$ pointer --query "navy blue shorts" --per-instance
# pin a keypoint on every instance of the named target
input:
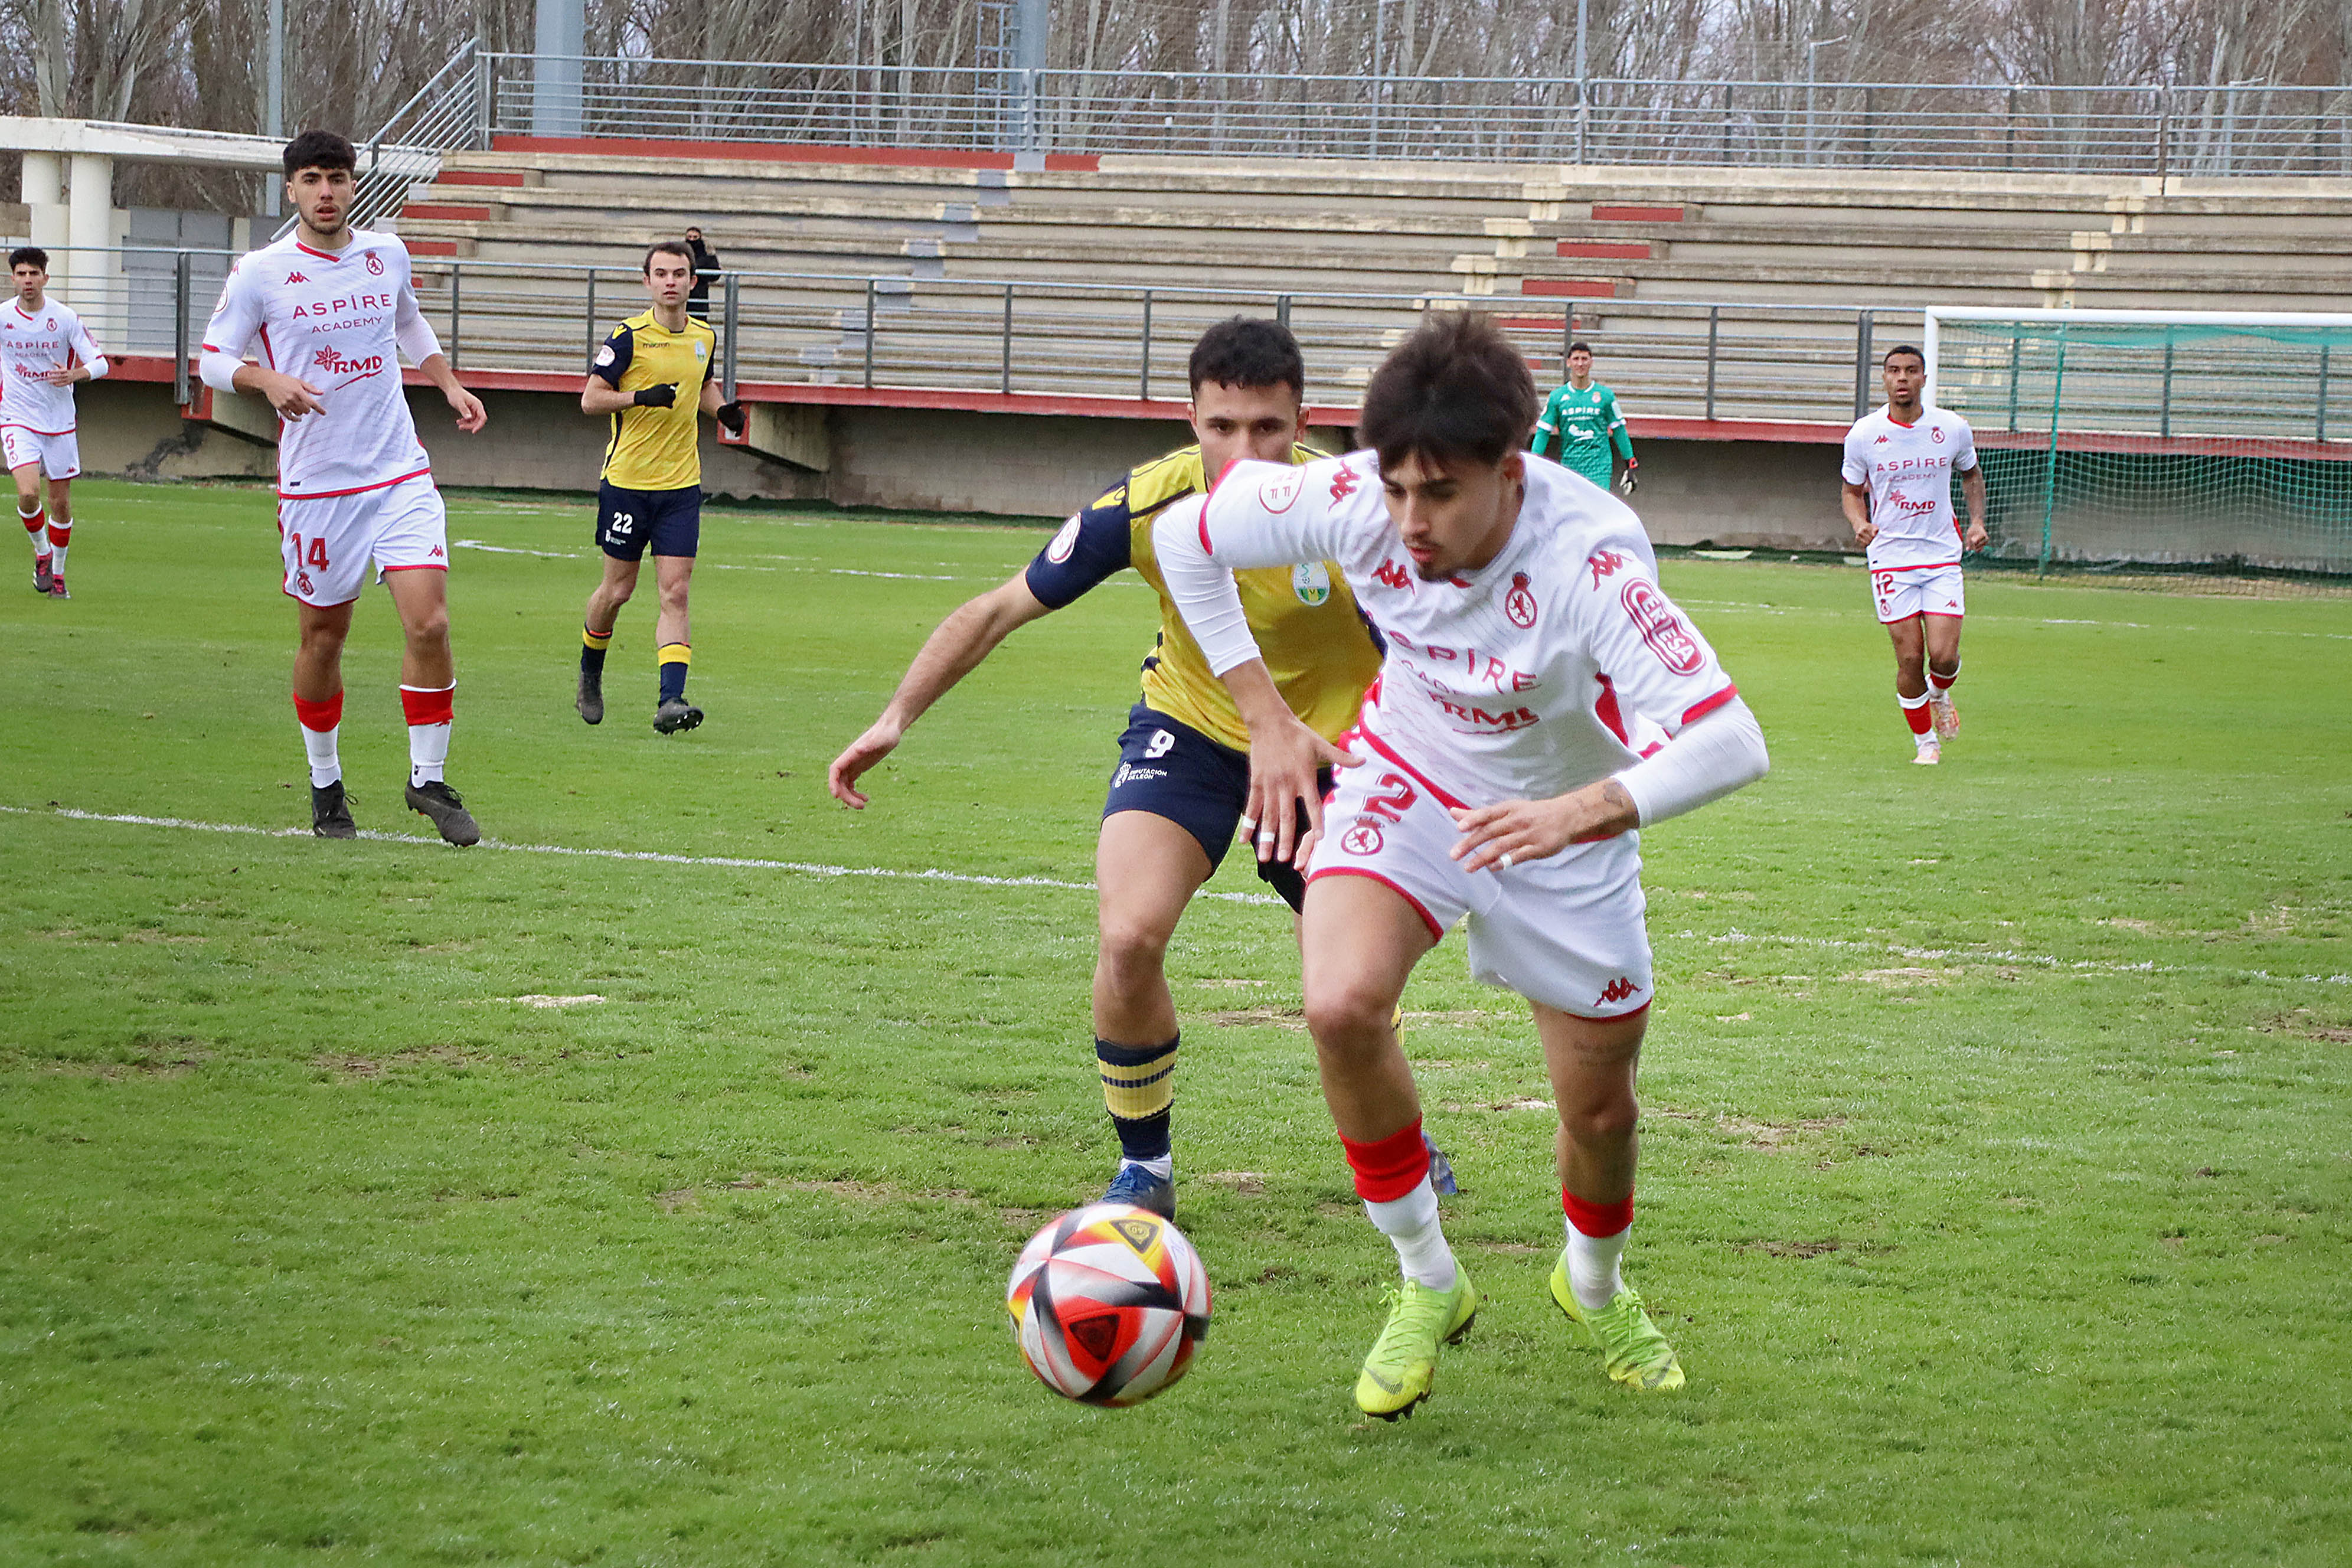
(1171, 770)
(629, 520)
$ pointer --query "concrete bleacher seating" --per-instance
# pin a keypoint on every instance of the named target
(1623, 248)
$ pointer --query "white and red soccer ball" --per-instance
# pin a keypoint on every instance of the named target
(1109, 1303)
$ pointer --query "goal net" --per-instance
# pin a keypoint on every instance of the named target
(2118, 439)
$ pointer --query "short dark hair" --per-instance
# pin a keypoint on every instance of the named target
(1249, 351)
(318, 150)
(1578, 347)
(32, 253)
(1456, 390)
(677, 247)
(1911, 349)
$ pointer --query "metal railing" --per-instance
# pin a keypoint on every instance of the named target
(2159, 131)
(1698, 360)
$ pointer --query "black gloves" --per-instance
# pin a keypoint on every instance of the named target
(656, 396)
(732, 415)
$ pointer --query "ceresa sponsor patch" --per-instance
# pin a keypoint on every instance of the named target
(1312, 580)
(1064, 543)
(1660, 627)
(1281, 492)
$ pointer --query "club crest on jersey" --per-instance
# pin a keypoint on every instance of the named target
(1312, 580)
(1363, 838)
(1279, 494)
(375, 264)
(1661, 627)
(1064, 543)
(1344, 482)
(1520, 605)
(1935, 432)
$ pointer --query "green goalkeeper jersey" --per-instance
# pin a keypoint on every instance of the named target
(1579, 428)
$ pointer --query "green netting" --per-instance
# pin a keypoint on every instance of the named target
(2159, 443)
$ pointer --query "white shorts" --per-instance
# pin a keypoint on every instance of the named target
(59, 455)
(328, 543)
(1566, 931)
(1903, 591)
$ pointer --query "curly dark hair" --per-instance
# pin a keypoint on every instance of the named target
(1456, 391)
(1249, 351)
(318, 150)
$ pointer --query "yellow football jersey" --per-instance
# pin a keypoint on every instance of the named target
(1318, 647)
(656, 448)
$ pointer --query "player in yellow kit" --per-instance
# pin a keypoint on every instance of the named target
(1183, 773)
(652, 377)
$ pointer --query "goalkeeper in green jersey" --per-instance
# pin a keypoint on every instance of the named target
(1580, 425)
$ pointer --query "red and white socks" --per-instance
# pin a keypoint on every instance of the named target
(429, 710)
(1596, 1247)
(1393, 1178)
(322, 722)
(1939, 686)
(37, 527)
(60, 535)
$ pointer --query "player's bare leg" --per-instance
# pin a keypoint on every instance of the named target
(428, 683)
(596, 624)
(1146, 868)
(319, 705)
(1592, 1063)
(1910, 638)
(1943, 645)
(1359, 941)
(37, 523)
(673, 577)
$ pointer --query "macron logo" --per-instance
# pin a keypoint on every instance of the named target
(298, 278)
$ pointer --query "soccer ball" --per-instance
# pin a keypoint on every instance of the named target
(1108, 1303)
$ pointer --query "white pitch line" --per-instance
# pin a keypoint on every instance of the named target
(813, 868)
(804, 868)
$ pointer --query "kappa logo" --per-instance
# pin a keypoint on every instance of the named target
(1344, 482)
(1880, 442)
(434, 553)
(296, 278)
(1520, 605)
(375, 264)
(1392, 574)
(1363, 838)
(1604, 563)
(1618, 990)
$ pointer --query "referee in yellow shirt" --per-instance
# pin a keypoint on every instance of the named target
(651, 378)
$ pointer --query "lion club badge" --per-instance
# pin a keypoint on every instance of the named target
(375, 264)
(302, 581)
(1312, 580)
(1520, 605)
(1935, 432)
(1363, 838)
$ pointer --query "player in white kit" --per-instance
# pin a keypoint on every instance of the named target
(44, 350)
(1898, 467)
(332, 310)
(1495, 787)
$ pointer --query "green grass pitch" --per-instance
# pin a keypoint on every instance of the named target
(1997, 1174)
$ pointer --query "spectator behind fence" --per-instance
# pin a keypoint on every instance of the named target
(706, 271)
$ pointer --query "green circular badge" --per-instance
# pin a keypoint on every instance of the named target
(1312, 580)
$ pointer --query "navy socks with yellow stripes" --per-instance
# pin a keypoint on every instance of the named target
(593, 644)
(675, 659)
(1139, 1090)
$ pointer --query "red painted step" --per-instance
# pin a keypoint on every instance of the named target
(433, 213)
(1621, 249)
(1580, 288)
(432, 248)
(513, 177)
(1635, 215)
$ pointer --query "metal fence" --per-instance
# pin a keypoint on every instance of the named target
(1741, 360)
(2235, 130)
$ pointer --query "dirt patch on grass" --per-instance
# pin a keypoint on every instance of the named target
(2304, 1023)
(1248, 1184)
(1458, 1015)
(1514, 1247)
(1793, 1249)
(349, 1067)
(1912, 976)
(1771, 1137)
(167, 1059)
(1280, 1018)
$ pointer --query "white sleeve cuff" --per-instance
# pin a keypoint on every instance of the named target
(219, 370)
(1716, 755)
(416, 340)
(97, 366)
(1202, 588)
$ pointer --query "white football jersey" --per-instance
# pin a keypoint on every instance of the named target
(338, 321)
(33, 341)
(1520, 681)
(1909, 469)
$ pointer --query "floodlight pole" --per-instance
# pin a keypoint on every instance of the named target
(273, 101)
(559, 38)
(1810, 48)
(1583, 87)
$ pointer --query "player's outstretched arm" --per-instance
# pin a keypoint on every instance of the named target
(1285, 756)
(953, 651)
